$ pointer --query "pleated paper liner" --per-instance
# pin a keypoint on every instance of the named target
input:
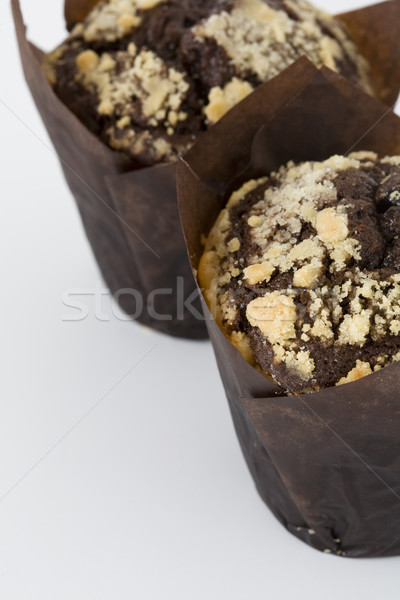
(76, 10)
(328, 463)
(375, 30)
(130, 213)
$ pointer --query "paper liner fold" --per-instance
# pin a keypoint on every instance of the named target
(76, 10)
(328, 463)
(130, 216)
(375, 31)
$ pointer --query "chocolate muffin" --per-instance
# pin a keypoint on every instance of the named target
(302, 270)
(148, 76)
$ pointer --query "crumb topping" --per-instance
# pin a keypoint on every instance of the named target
(132, 81)
(113, 20)
(221, 100)
(175, 68)
(266, 40)
(305, 265)
(275, 315)
(360, 370)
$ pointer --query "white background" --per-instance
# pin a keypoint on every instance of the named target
(119, 481)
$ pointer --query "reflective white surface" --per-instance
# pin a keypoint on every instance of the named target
(120, 476)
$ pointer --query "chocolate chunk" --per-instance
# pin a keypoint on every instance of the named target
(388, 193)
(162, 28)
(392, 258)
(207, 62)
(363, 226)
(357, 184)
(390, 222)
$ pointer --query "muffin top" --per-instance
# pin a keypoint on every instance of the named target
(302, 270)
(147, 76)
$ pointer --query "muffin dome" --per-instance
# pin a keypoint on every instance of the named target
(148, 76)
(302, 270)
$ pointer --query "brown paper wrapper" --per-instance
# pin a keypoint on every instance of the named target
(375, 30)
(328, 463)
(76, 10)
(130, 215)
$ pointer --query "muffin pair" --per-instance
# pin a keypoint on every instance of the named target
(270, 104)
(148, 77)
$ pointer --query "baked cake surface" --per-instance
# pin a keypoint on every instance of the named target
(147, 76)
(302, 270)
